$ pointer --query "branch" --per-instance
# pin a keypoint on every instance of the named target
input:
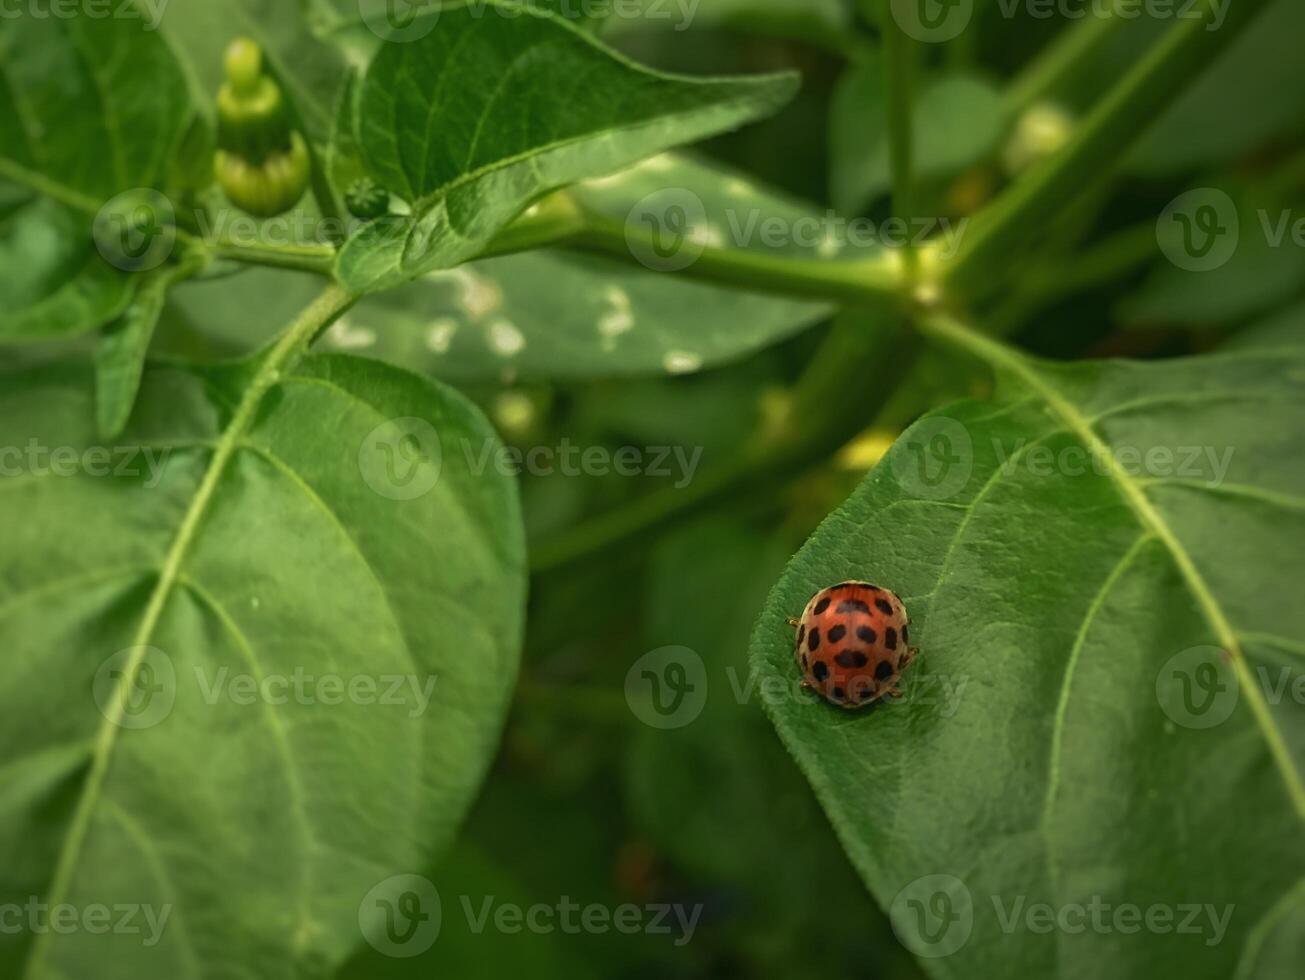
(1120, 118)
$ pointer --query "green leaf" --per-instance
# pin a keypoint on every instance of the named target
(477, 119)
(116, 121)
(958, 120)
(1264, 268)
(53, 280)
(121, 93)
(120, 356)
(1253, 94)
(273, 541)
(554, 315)
(720, 749)
(824, 22)
(1060, 594)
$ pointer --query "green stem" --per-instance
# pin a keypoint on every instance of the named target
(317, 259)
(1061, 59)
(865, 282)
(899, 78)
(1101, 141)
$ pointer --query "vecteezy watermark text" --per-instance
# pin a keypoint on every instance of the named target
(38, 459)
(403, 915)
(934, 915)
(120, 919)
(150, 12)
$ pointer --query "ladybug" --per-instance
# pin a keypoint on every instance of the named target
(853, 642)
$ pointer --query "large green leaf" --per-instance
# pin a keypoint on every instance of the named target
(556, 315)
(495, 107)
(1254, 265)
(314, 532)
(53, 280)
(1253, 93)
(70, 83)
(717, 747)
(1073, 571)
(120, 90)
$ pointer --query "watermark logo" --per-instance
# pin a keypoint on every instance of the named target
(935, 459)
(665, 231)
(1198, 687)
(401, 916)
(667, 688)
(136, 230)
(401, 459)
(136, 687)
(933, 916)
(933, 21)
(400, 20)
(1199, 230)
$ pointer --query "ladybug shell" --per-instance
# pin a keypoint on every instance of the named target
(853, 641)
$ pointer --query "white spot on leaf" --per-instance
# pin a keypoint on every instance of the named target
(682, 361)
(344, 335)
(439, 335)
(618, 319)
(505, 338)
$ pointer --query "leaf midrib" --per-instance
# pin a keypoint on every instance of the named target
(330, 305)
(1000, 356)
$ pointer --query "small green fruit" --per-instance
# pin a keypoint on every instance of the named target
(269, 188)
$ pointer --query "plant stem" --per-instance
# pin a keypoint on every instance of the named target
(899, 78)
(1058, 62)
(1123, 115)
(866, 282)
(317, 259)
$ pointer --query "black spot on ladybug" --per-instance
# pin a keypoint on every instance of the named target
(853, 605)
(866, 635)
(884, 670)
(836, 633)
(813, 639)
(802, 634)
(839, 694)
(884, 606)
(890, 638)
(852, 658)
(821, 606)
(867, 693)
(905, 636)
(820, 670)
(804, 661)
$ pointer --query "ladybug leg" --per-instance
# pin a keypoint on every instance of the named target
(793, 622)
(908, 656)
(894, 692)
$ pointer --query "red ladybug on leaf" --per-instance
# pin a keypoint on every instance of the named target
(853, 642)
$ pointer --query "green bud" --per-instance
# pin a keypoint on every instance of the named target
(367, 199)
